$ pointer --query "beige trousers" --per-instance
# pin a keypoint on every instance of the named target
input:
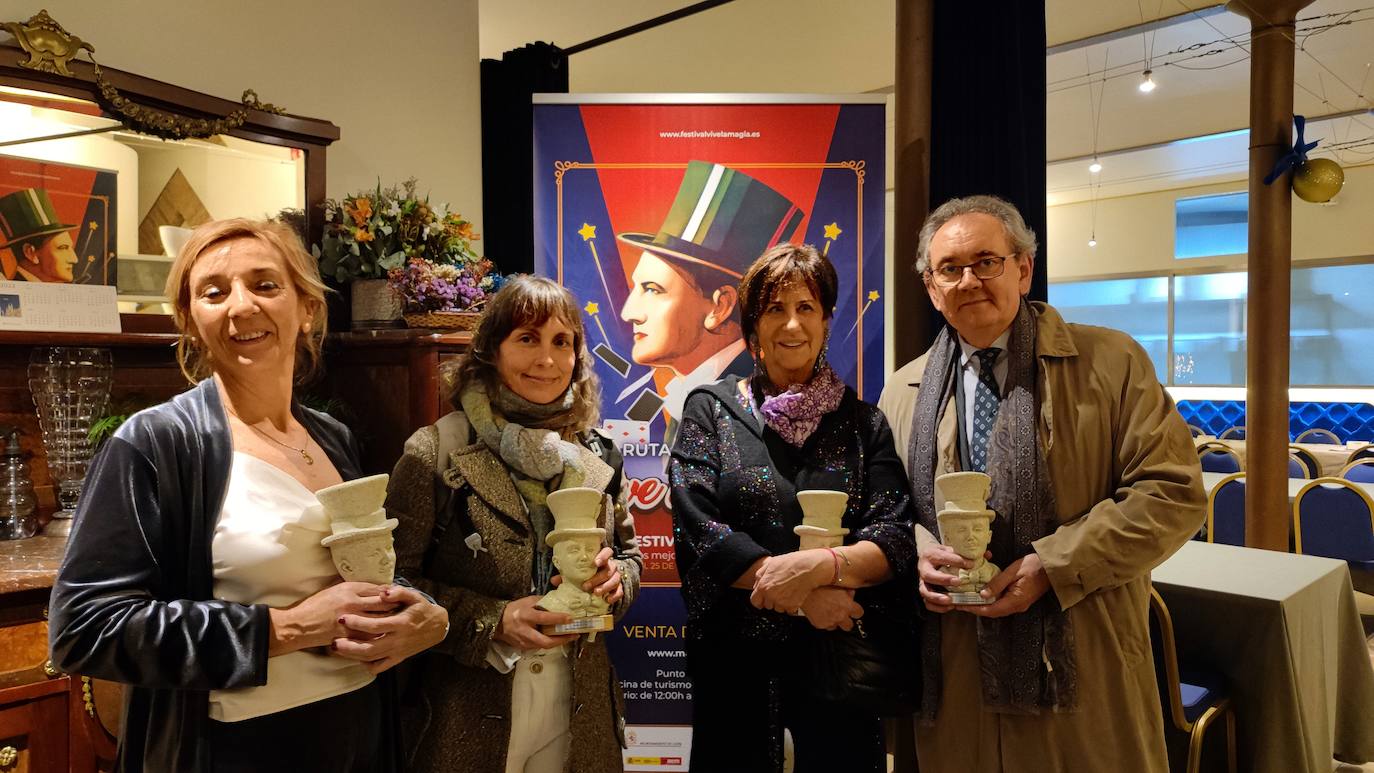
(540, 700)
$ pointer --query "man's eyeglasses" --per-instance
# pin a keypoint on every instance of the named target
(952, 274)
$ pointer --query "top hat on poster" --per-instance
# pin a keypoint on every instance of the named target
(722, 219)
(28, 213)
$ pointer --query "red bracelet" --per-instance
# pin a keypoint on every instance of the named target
(836, 557)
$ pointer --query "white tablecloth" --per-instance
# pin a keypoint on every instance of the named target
(1330, 458)
(1284, 631)
(1211, 479)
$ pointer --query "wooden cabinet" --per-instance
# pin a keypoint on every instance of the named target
(390, 384)
(48, 720)
(33, 728)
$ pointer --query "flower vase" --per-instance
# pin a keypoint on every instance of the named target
(375, 304)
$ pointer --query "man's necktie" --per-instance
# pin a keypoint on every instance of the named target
(985, 402)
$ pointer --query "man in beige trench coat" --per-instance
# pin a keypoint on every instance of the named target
(1095, 481)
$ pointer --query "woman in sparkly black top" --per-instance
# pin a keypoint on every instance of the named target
(744, 449)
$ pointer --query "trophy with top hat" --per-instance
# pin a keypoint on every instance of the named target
(576, 539)
(966, 526)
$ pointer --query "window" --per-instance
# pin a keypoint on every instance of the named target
(1139, 307)
(1331, 325)
(1209, 329)
(1211, 225)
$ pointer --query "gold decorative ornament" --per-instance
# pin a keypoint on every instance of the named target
(48, 45)
(1318, 180)
(86, 697)
(170, 126)
(8, 756)
(50, 670)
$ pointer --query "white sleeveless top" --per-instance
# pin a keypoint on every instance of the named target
(266, 550)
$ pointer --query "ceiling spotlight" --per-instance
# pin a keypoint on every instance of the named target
(1092, 242)
(1147, 85)
(1094, 167)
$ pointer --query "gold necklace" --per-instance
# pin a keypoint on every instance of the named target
(302, 451)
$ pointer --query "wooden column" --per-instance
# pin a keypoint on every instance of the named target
(1270, 258)
(912, 329)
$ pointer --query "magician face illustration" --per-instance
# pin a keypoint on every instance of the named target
(52, 260)
(675, 323)
(683, 302)
(40, 245)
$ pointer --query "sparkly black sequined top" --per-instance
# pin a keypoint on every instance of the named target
(734, 485)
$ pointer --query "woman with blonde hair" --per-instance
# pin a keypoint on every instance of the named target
(194, 573)
(471, 496)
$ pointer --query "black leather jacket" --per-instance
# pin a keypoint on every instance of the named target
(133, 601)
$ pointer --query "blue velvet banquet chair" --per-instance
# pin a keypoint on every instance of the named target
(1367, 452)
(1196, 430)
(1216, 457)
(1308, 460)
(1226, 511)
(1296, 469)
(1233, 433)
(1193, 699)
(1334, 518)
(1318, 435)
(1360, 471)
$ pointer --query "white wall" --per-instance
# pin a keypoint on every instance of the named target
(399, 79)
(1135, 234)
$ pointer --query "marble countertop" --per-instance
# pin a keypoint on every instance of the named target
(29, 564)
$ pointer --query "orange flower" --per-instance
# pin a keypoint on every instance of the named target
(361, 211)
(363, 235)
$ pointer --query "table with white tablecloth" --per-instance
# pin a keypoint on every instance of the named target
(1284, 632)
(1211, 479)
(1331, 458)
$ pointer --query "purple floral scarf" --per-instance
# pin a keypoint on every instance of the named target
(795, 413)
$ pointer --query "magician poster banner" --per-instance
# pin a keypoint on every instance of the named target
(650, 209)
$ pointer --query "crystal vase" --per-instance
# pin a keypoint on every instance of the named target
(71, 389)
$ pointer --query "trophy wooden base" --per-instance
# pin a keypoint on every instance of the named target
(592, 625)
(968, 600)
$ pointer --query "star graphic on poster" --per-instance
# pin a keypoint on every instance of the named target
(592, 307)
(832, 231)
(587, 232)
(872, 295)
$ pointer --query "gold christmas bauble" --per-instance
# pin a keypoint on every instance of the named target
(1318, 180)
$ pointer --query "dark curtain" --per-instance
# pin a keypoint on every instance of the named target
(988, 108)
(508, 149)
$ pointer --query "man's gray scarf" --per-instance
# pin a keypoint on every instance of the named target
(1027, 659)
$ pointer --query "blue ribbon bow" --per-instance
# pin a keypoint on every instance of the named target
(1295, 156)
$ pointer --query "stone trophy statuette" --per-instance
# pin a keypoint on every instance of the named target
(360, 539)
(576, 539)
(966, 526)
(821, 514)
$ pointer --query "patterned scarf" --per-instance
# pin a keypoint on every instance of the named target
(795, 413)
(525, 436)
(1027, 659)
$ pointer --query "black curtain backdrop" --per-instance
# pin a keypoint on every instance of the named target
(988, 109)
(508, 149)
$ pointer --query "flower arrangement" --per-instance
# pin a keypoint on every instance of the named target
(425, 286)
(371, 233)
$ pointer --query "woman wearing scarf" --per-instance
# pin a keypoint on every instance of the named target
(471, 495)
(745, 447)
